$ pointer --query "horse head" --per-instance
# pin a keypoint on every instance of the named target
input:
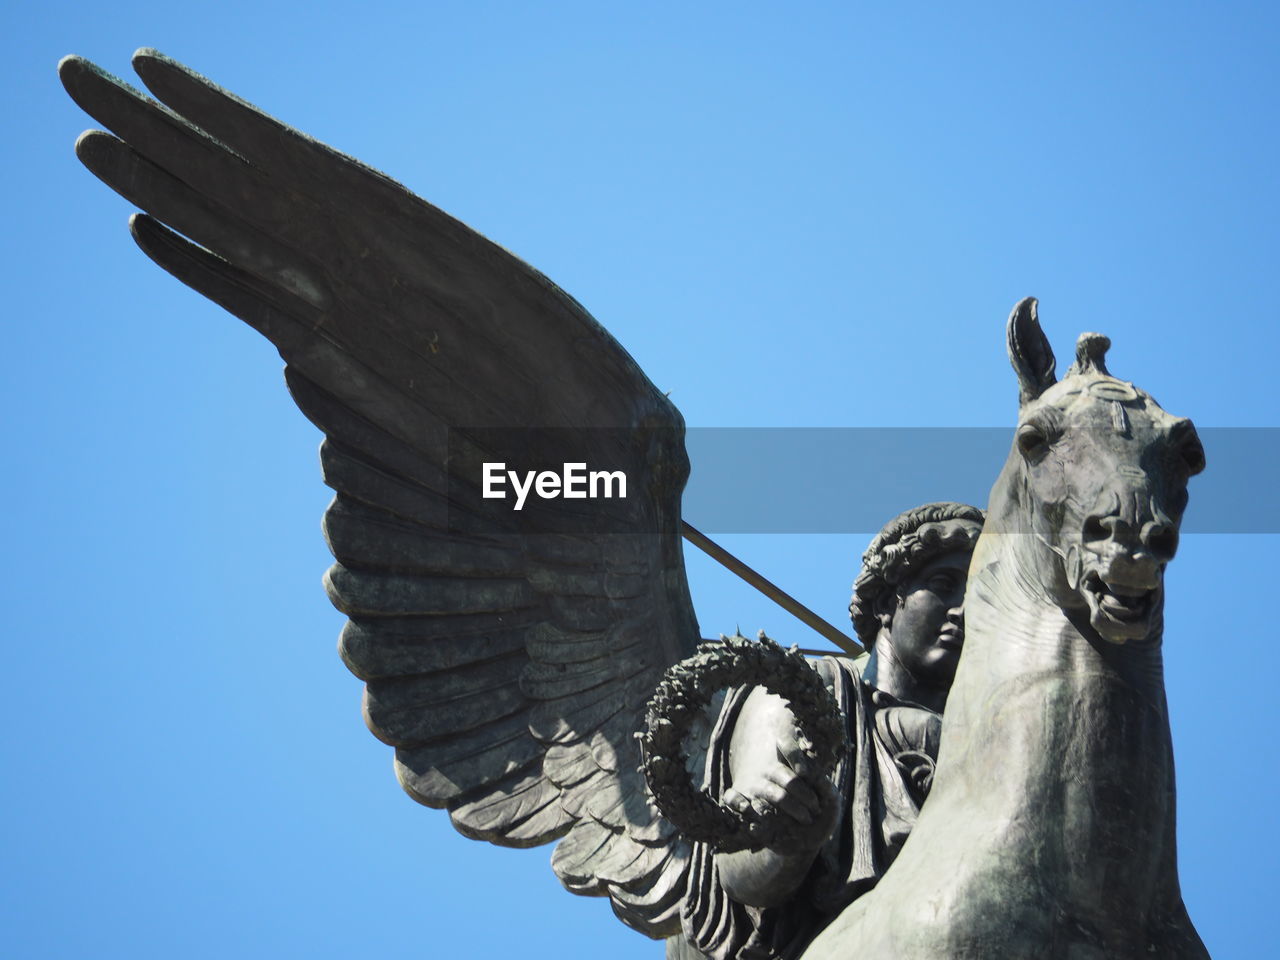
(1097, 478)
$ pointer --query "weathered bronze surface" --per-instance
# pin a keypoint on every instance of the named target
(508, 657)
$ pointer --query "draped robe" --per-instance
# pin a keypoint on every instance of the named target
(880, 783)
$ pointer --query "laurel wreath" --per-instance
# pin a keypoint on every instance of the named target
(687, 689)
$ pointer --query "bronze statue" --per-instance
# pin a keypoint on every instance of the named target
(508, 655)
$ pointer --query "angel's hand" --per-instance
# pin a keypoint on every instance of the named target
(787, 787)
(772, 779)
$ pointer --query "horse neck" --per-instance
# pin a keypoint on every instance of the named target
(1022, 647)
(1054, 786)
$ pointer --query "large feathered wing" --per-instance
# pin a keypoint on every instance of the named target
(507, 654)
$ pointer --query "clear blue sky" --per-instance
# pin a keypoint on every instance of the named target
(799, 215)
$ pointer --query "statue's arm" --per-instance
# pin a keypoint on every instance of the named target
(766, 771)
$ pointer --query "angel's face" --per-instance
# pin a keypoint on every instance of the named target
(927, 630)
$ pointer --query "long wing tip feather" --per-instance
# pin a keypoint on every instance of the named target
(74, 70)
(148, 53)
(96, 91)
(91, 144)
(160, 73)
(163, 247)
(69, 64)
(100, 153)
(166, 248)
(149, 63)
(144, 229)
(106, 156)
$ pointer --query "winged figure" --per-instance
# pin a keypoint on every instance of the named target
(509, 654)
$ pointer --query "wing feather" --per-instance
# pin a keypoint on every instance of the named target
(568, 764)
(398, 646)
(444, 771)
(652, 902)
(401, 712)
(356, 593)
(523, 798)
(577, 854)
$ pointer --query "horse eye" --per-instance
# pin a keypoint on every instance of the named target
(1032, 441)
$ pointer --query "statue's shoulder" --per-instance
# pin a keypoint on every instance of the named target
(840, 672)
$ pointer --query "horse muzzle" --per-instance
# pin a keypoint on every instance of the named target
(1121, 577)
(1120, 611)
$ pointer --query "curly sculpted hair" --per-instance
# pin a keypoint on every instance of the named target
(908, 541)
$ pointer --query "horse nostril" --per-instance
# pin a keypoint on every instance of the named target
(1095, 529)
(1161, 539)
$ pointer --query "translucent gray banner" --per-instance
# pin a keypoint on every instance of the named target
(853, 479)
(790, 479)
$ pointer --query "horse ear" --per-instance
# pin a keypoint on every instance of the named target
(1029, 352)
